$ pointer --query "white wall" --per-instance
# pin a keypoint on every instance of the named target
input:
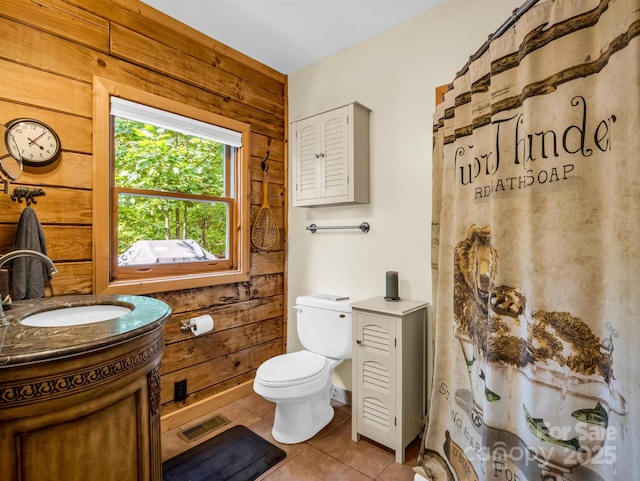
(394, 74)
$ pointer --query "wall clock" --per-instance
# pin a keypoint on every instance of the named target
(32, 142)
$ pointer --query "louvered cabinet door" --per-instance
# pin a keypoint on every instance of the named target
(376, 377)
(335, 161)
(331, 157)
(308, 165)
(388, 382)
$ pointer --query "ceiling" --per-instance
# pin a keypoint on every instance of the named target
(288, 35)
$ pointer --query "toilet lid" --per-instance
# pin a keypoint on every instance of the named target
(293, 367)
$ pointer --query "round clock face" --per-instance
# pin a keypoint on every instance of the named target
(32, 142)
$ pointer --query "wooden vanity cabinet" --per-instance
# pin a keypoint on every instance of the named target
(388, 398)
(93, 416)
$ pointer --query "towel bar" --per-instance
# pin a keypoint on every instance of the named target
(364, 227)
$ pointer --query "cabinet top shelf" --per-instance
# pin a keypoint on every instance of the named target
(355, 103)
(395, 308)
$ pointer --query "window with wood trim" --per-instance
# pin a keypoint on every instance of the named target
(170, 194)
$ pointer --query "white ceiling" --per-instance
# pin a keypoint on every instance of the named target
(288, 35)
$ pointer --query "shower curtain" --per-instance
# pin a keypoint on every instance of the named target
(536, 251)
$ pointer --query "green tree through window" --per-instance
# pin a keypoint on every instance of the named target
(152, 161)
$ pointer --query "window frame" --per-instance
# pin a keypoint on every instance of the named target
(105, 254)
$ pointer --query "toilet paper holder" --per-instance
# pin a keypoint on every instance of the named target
(197, 325)
(186, 325)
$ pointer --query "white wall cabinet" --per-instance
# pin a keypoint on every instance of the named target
(331, 157)
(388, 398)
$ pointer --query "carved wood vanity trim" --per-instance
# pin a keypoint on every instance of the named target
(68, 383)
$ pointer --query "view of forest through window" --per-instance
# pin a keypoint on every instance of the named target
(171, 185)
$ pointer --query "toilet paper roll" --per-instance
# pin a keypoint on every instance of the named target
(201, 324)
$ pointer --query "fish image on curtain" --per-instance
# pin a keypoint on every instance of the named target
(554, 355)
(535, 258)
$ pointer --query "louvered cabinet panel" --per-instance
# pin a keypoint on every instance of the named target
(307, 153)
(388, 371)
(376, 384)
(335, 171)
(331, 157)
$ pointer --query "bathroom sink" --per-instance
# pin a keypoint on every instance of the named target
(75, 316)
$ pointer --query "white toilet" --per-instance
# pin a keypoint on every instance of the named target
(300, 382)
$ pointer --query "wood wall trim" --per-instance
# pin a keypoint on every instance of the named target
(186, 38)
(206, 406)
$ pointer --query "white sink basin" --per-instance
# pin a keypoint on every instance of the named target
(75, 316)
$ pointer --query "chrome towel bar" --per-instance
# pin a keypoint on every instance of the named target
(364, 227)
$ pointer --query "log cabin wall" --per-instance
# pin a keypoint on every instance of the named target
(50, 50)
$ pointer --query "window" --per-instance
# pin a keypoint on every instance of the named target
(172, 213)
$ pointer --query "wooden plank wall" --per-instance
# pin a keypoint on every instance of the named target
(50, 50)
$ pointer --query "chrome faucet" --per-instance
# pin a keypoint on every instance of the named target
(23, 253)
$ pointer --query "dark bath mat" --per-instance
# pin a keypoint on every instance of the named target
(237, 454)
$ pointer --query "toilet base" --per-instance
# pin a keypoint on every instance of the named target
(297, 422)
(302, 410)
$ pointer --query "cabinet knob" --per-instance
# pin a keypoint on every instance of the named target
(359, 342)
(317, 155)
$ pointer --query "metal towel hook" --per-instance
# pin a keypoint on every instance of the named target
(27, 193)
(264, 165)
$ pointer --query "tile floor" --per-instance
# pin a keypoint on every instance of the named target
(330, 455)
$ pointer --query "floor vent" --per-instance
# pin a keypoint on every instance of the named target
(205, 427)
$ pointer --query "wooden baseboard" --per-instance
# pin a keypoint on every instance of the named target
(200, 408)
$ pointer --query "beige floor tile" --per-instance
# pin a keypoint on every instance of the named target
(238, 413)
(312, 464)
(257, 405)
(402, 472)
(366, 457)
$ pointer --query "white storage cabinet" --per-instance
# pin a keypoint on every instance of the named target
(388, 398)
(331, 157)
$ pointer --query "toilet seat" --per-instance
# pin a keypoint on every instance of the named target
(292, 369)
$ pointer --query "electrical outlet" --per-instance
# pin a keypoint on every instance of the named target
(180, 391)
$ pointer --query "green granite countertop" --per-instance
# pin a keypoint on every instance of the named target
(20, 344)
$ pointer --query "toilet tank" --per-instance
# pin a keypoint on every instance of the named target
(324, 325)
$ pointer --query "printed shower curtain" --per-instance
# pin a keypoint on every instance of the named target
(537, 253)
